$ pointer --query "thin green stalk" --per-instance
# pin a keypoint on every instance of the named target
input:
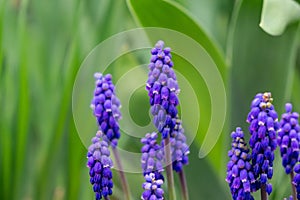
(74, 166)
(6, 158)
(2, 9)
(23, 108)
(231, 30)
(124, 183)
(183, 185)
(7, 98)
(294, 193)
(169, 169)
(263, 192)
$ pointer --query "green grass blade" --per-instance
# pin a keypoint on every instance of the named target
(2, 11)
(76, 159)
(23, 99)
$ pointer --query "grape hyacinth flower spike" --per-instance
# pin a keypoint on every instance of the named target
(163, 91)
(288, 138)
(179, 148)
(100, 166)
(152, 186)
(152, 166)
(240, 176)
(288, 142)
(152, 154)
(264, 124)
(106, 107)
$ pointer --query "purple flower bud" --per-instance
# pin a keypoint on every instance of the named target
(106, 108)
(288, 138)
(163, 91)
(162, 86)
(270, 172)
(269, 188)
(152, 186)
(152, 156)
(256, 102)
(240, 174)
(288, 107)
(263, 178)
(263, 141)
(179, 148)
(100, 166)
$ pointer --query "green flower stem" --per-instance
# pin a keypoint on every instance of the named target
(169, 169)
(294, 193)
(183, 184)
(263, 192)
(124, 182)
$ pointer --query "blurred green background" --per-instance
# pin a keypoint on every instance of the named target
(43, 43)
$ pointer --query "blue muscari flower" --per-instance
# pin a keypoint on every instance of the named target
(152, 165)
(288, 138)
(179, 148)
(264, 124)
(239, 170)
(162, 89)
(296, 180)
(100, 166)
(152, 154)
(106, 107)
(152, 186)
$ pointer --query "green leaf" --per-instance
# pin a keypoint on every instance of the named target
(200, 170)
(295, 98)
(148, 15)
(213, 16)
(278, 14)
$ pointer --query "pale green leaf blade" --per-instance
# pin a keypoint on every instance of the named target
(278, 14)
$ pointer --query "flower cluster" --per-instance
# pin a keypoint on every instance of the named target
(288, 138)
(264, 124)
(152, 187)
(152, 165)
(152, 154)
(179, 148)
(162, 89)
(106, 107)
(239, 170)
(100, 166)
